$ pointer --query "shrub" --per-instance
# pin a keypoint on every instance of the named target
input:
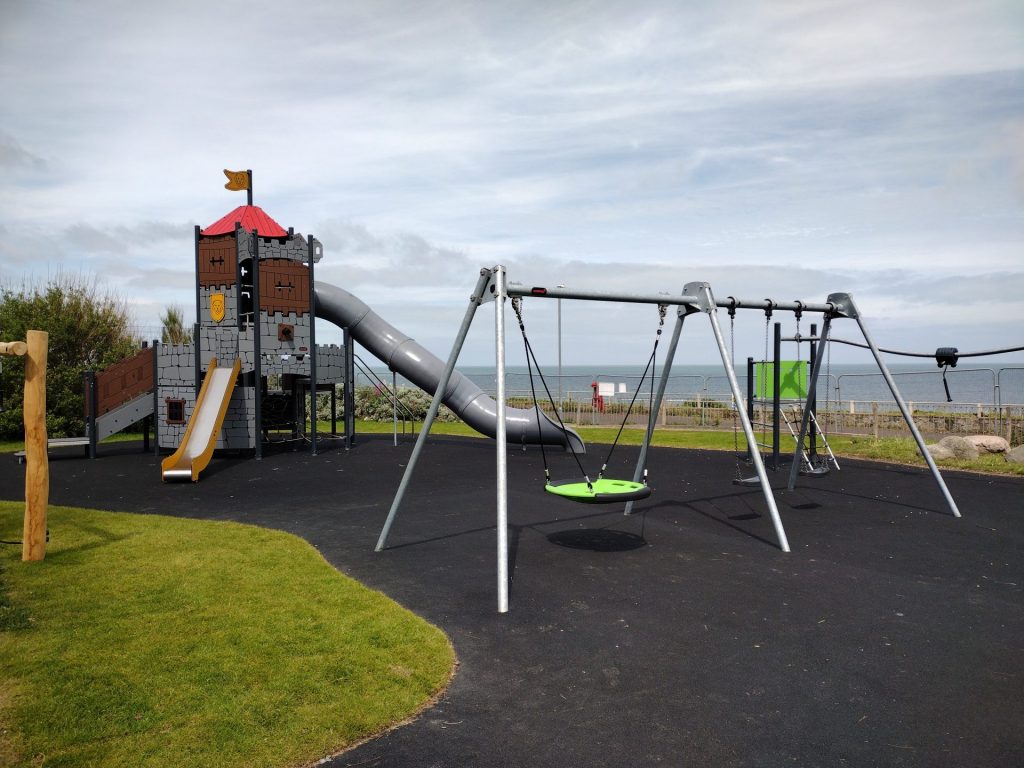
(89, 330)
(375, 405)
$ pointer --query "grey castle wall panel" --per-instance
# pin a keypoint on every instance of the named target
(170, 435)
(238, 431)
(218, 342)
(330, 363)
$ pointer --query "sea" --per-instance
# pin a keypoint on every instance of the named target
(968, 384)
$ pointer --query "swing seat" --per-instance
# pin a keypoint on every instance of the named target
(815, 471)
(601, 491)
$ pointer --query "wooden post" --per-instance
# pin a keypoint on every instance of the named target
(37, 468)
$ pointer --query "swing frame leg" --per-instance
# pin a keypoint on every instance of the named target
(706, 304)
(474, 301)
(652, 417)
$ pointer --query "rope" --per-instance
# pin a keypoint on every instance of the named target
(735, 401)
(516, 302)
(930, 355)
(662, 309)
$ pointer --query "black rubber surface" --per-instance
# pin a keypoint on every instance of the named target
(892, 635)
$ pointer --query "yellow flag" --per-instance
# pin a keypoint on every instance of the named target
(237, 180)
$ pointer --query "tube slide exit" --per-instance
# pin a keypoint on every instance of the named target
(404, 355)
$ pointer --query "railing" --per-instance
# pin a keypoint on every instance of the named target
(407, 416)
(854, 417)
(708, 404)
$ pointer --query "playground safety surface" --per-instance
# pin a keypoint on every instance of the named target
(892, 635)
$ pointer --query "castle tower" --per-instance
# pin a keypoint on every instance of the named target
(254, 303)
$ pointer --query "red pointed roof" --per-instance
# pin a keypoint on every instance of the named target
(251, 217)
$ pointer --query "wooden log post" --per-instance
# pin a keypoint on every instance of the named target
(37, 468)
(37, 462)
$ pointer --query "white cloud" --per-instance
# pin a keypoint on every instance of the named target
(784, 148)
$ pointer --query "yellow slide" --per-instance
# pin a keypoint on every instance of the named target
(204, 425)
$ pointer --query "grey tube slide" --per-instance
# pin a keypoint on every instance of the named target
(404, 355)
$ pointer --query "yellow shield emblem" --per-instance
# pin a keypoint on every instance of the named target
(217, 307)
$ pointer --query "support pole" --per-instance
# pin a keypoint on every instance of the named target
(349, 405)
(751, 400)
(652, 418)
(37, 463)
(435, 404)
(812, 397)
(777, 385)
(707, 304)
(90, 413)
(313, 384)
(501, 447)
(257, 350)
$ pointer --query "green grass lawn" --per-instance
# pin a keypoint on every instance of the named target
(153, 641)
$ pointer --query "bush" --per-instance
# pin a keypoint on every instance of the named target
(375, 405)
(89, 330)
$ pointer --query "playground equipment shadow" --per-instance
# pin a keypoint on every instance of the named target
(891, 635)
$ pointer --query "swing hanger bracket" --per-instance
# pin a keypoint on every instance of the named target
(947, 356)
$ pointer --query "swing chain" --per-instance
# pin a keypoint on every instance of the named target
(798, 312)
(517, 306)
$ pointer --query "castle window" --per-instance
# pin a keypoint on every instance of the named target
(175, 411)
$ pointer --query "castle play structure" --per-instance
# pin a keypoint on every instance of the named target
(250, 374)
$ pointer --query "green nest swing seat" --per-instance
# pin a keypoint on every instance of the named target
(601, 491)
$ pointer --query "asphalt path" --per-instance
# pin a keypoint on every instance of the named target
(892, 634)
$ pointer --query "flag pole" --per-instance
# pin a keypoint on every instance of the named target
(248, 189)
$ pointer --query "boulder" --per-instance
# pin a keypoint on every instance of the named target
(961, 447)
(939, 452)
(1016, 455)
(989, 443)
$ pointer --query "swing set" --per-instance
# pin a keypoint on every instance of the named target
(696, 298)
(602, 490)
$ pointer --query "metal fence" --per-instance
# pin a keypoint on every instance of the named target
(705, 402)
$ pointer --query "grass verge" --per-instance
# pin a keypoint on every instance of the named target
(892, 450)
(153, 641)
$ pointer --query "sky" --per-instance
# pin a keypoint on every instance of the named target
(772, 149)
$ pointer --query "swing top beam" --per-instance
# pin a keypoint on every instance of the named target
(692, 302)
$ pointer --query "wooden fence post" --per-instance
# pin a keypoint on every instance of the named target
(37, 468)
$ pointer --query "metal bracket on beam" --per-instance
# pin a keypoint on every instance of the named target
(705, 300)
(489, 289)
(844, 306)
